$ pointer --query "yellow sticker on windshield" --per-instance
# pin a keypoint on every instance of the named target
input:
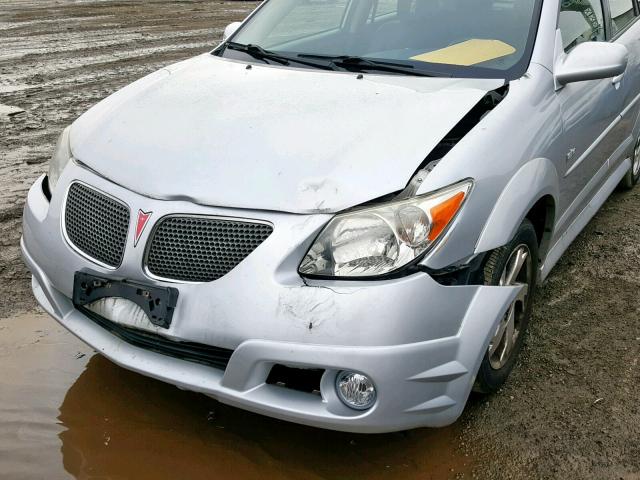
(468, 53)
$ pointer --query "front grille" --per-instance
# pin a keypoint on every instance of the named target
(96, 224)
(201, 249)
(193, 352)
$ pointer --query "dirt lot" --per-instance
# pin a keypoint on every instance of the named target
(570, 410)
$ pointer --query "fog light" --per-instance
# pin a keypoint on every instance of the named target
(355, 390)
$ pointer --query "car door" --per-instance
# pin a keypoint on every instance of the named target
(590, 112)
(625, 29)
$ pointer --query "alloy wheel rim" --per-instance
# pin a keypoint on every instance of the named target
(517, 271)
(636, 160)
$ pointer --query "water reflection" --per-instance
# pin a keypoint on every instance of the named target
(119, 425)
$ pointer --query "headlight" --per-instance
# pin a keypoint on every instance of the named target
(356, 390)
(60, 158)
(379, 240)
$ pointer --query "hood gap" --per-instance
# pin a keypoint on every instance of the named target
(480, 110)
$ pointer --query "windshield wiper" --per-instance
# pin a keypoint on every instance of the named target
(259, 53)
(350, 62)
(331, 62)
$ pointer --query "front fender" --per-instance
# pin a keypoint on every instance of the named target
(534, 180)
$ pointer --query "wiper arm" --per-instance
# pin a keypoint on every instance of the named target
(361, 63)
(353, 60)
(332, 62)
(259, 53)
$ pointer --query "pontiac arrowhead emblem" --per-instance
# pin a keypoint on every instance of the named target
(143, 219)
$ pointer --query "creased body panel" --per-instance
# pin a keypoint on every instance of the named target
(263, 297)
(293, 140)
(419, 384)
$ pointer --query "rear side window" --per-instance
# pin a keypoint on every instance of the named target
(581, 21)
(622, 14)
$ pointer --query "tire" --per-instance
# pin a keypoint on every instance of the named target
(632, 177)
(501, 356)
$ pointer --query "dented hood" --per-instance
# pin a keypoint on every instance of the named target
(210, 131)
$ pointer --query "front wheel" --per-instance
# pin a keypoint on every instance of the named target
(632, 177)
(513, 264)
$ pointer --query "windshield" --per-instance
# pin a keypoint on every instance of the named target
(480, 38)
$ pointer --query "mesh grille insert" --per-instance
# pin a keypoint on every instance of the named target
(201, 249)
(96, 224)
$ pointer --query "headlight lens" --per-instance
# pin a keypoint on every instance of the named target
(379, 240)
(60, 158)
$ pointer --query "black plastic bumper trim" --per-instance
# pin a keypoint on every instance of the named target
(190, 351)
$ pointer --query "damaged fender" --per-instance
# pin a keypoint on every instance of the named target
(533, 181)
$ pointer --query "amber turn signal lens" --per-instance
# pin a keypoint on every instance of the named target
(443, 213)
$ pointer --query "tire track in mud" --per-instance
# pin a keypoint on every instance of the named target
(59, 58)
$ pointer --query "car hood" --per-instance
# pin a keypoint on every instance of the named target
(211, 131)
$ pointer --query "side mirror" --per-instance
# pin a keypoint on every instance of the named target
(592, 61)
(230, 30)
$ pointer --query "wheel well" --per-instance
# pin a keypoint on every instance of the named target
(542, 216)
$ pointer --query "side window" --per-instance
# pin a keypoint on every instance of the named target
(622, 14)
(581, 21)
(384, 7)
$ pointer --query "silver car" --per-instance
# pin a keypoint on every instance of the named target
(339, 216)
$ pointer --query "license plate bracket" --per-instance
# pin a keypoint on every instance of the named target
(157, 302)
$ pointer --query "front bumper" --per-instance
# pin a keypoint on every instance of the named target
(420, 342)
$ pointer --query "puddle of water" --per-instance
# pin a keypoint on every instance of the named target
(67, 412)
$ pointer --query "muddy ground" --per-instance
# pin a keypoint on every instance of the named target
(571, 408)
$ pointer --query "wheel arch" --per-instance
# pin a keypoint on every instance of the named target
(635, 131)
(531, 193)
(542, 215)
